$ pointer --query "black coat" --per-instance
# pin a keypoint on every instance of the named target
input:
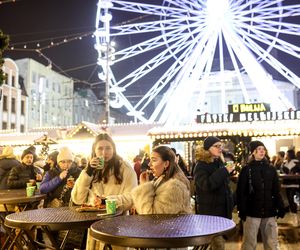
(21, 174)
(213, 194)
(264, 200)
(6, 164)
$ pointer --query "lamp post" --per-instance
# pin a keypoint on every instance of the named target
(107, 110)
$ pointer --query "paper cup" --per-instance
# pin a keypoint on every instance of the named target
(30, 191)
(111, 206)
(38, 184)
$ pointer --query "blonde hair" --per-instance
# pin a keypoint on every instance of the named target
(204, 155)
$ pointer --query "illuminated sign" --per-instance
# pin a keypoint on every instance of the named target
(248, 117)
(249, 108)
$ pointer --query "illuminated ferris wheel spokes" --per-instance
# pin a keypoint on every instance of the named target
(183, 40)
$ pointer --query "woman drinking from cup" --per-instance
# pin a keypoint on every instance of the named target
(106, 174)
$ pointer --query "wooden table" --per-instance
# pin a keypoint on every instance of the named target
(160, 231)
(18, 199)
(54, 219)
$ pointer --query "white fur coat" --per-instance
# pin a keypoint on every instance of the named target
(170, 197)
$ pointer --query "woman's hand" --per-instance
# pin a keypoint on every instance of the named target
(144, 177)
(230, 166)
(94, 162)
(63, 174)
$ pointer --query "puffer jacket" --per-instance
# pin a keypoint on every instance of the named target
(213, 193)
(21, 174)
(260, 197)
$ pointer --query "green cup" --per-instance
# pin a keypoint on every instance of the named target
(38, 184)
(111, 206)
(30, 191)
(29, 184)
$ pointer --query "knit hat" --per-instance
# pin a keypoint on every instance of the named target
(7, 152)
(64, 154)
(30, 150)
(254, 144)
(53, 155)
(209, 141)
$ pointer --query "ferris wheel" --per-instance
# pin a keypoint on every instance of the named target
(167, 51)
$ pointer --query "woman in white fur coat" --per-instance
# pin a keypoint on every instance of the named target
(167, 193)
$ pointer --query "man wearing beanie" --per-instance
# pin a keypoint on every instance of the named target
(19, 175)
(55, 182)
(258, 199)
(213, 194)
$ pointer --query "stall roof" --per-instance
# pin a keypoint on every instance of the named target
(248, 129)
(20, 139)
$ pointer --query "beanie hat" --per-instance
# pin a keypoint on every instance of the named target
(30, 150)
(53, 155)
(254, 144)
(209, 141)
(8, 152)
(64, 154)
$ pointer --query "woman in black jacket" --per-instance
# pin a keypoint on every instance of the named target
(213, 194)
(258, 199)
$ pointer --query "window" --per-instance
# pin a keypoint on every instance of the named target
(12, 126)
(4, 125)
(22, 128)
(13, 105)
(33, 77)
(4, 103)
(22, 107)
(13, 79)
(6, 79)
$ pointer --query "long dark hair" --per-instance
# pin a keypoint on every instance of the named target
(174, 171)
(114, 163)
(167, 154)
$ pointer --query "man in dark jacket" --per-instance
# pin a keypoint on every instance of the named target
(258, 199)
(19, 175)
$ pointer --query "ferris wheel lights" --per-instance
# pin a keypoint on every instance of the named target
(106, 18)
(106, 4)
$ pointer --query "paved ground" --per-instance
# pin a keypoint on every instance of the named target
(289, 236)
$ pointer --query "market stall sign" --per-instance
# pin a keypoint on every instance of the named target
(249, 117)
(249, 108)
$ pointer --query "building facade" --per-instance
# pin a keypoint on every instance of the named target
(14, 101)
(50, 95)
(86, 106)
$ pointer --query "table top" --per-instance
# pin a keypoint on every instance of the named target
(18, 196)
(61, 218)
(160, 230)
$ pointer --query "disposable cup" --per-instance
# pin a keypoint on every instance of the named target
(30, 191)
(29, 184)
(38, 184)
(111, 206)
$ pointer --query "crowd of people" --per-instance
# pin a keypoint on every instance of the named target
(161, 182)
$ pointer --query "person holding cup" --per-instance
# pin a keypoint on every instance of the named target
(22, 173)
(213, 194)
(59, 180)
(106, 174)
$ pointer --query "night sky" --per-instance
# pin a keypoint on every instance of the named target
(29, 22)
(32, 22)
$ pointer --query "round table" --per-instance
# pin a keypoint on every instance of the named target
(144, 231)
